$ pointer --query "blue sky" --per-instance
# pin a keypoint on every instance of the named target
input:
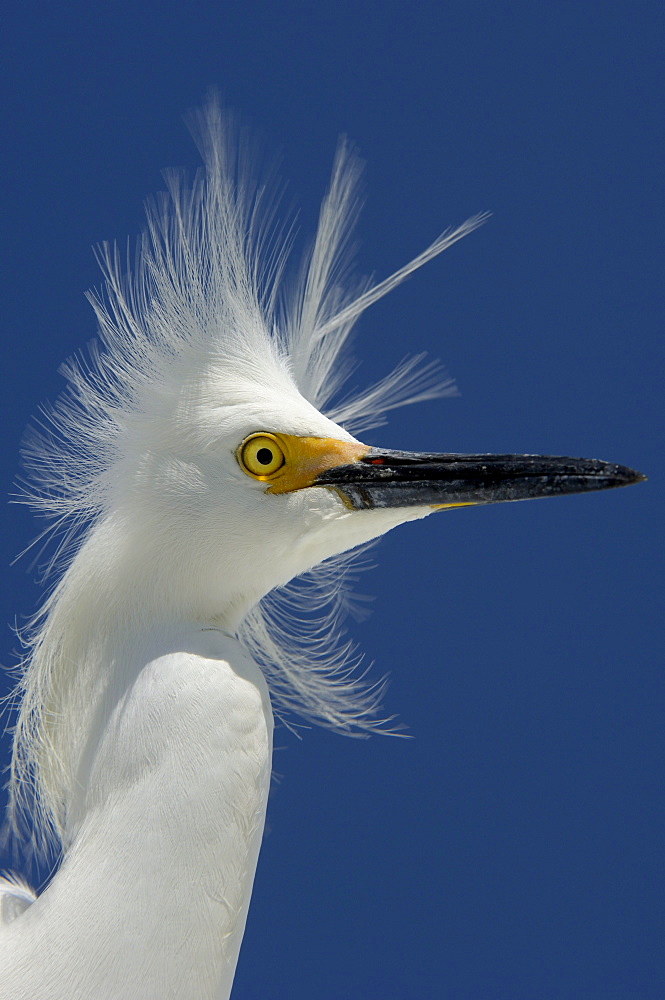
(512, 849)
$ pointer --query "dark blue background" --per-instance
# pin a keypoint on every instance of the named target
(512, 850)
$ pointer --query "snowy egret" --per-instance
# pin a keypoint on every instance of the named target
(193, 474)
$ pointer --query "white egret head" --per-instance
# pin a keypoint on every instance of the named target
(217, 486)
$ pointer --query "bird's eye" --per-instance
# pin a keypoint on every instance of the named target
(261, 456)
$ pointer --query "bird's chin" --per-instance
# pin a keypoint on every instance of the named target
(343, 528)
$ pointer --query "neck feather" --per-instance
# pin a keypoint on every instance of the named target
(168, 820)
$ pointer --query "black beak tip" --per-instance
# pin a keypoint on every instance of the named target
(626, 476)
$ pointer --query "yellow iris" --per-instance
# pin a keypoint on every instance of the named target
(261, 455)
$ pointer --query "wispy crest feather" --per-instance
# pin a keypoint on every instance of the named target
(208, 282)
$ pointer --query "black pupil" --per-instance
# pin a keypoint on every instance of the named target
(264, 456)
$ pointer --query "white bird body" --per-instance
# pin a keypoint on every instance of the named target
(192, 465)
(170, 724)
(164, 857)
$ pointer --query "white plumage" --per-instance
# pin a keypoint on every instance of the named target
(135, 695)
(191, 474)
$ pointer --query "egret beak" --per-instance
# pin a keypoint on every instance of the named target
(381, 478)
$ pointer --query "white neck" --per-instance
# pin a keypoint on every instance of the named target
(152, 897)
